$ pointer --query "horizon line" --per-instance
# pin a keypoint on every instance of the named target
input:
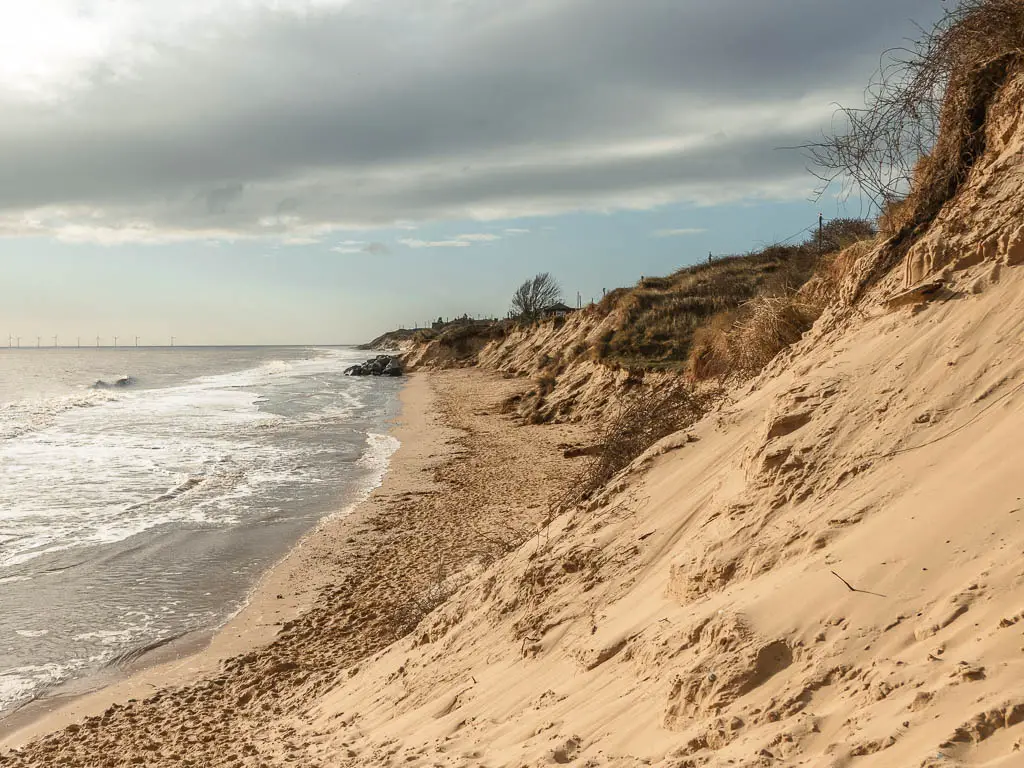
(41, 347)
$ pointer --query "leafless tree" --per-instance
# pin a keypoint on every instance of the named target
(535, 294)
(922, 124)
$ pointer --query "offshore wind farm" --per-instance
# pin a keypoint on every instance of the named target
(97, 342)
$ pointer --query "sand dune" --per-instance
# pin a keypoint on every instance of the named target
(829, 575)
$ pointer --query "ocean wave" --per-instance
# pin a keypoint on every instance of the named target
(23, 417)
(170, 495)
(108, 636)
(379, 450)
(14, 579)
(19, 685)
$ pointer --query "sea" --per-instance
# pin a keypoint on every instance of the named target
(131, 515)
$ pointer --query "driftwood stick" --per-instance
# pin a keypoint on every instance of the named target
(852, 588)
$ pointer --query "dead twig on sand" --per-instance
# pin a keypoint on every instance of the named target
(852, 588)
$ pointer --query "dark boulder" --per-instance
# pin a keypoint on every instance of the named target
(382, 365)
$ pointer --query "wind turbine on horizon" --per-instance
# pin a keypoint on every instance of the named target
(54, 341)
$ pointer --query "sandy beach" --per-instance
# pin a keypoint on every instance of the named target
(349, 589)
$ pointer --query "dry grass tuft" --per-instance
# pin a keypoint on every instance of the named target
(423, 336)
(711, 355)
(743, 342)
(769, 325)
(895, 216)
(662, 319)
(834, 273)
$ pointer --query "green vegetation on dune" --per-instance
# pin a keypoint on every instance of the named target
(659, 323)
(660, 317)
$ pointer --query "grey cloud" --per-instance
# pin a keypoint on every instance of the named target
(375, 113)
(218, 200)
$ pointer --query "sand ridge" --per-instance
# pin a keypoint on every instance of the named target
(825, 571)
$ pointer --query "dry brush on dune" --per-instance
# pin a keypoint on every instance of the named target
(913, 144)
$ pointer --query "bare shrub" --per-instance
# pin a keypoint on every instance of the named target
(417, 605)
(643, 419)
(839, 234)
(499, 538)
(912, 145)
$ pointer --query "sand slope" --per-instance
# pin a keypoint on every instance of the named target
(697, 615)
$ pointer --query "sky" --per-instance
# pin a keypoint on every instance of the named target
(319, 171)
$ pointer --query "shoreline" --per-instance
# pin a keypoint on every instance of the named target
(287, 589)
(469, 483)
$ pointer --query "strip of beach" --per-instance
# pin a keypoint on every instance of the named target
(465, 479)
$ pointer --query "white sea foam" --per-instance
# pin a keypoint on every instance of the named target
(25, 416)
(377, 458)
(142, 448)
(379, 450)
(19, 683)
(109, 637)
